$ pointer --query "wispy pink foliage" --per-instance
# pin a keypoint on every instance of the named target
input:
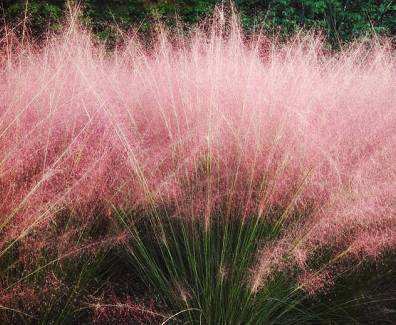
(124, 311)
(311, 282)
(206, 122)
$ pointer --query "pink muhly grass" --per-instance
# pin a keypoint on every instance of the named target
(205, 123)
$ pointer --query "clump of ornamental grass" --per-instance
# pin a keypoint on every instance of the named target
(242, 177)
(207, 275)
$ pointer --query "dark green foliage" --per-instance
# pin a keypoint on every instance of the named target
(203, 276)
(341, 20)
(197, 275)
(41, 15)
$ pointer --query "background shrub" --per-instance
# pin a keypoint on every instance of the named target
(341, 20)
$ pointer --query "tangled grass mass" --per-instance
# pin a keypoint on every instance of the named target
(213, 178)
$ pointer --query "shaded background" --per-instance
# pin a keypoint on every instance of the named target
(341, 20)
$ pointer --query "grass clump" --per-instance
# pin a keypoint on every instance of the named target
(211, 178)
